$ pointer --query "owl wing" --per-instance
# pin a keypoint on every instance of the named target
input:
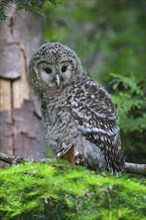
(96, 117)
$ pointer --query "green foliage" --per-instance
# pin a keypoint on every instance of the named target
(129, 96)
(35, 6)
(60, 191)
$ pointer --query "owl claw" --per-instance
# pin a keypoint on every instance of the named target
(79, 159)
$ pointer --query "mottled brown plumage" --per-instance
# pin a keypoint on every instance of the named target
(78, 113)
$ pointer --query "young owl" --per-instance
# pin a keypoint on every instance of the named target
(78, 113)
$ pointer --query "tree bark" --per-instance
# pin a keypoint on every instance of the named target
(13, 160)
(135, 168)
(21, 130)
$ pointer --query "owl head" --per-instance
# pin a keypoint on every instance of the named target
(54, 65)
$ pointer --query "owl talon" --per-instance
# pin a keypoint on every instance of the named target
(79, 158)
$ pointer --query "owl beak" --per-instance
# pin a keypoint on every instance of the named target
(57, 80)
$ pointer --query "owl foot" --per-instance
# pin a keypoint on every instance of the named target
(79, 159)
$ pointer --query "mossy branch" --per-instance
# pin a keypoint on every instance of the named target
(11, 159)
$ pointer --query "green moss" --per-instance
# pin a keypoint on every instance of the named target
(62, 191)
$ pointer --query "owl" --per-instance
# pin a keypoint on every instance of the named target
(79, 116)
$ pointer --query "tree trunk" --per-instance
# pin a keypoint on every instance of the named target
(21, 130)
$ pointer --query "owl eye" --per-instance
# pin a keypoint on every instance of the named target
(48, 70)
(63, 69)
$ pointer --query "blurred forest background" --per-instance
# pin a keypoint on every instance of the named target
(110, 38)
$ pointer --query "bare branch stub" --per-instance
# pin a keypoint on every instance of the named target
(135, 168)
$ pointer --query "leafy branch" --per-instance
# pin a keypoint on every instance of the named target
(35, 6)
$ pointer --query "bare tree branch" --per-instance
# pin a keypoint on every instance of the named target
(10, 159)
(135, 168)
